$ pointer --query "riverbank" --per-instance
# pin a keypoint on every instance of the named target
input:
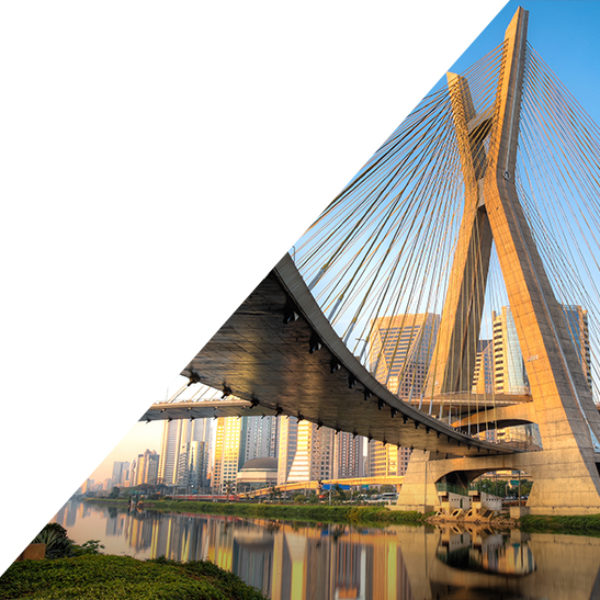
(107, 577)
(373, 515)
(581, 525)
(288, 512)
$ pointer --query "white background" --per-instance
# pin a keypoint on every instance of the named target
(157, 158)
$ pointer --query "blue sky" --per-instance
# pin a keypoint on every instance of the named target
(565, 33)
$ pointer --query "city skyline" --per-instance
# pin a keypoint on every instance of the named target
(399, 340)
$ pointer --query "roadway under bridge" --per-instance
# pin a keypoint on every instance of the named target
(317, 485)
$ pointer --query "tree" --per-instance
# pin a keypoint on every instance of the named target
(59, 545)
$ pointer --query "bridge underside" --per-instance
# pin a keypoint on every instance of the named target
(468, 412)
(205, 409)
(279, 352)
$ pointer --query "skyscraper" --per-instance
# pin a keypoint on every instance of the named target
(483, 375)
(194, 448)
(347, 455)
(305, 451)
(288, 437)
(178, 435)
(227, 454)
(120, 472)
(510, 376)
(169, 454)
(577, 321)
(146, 470)
(258, 438)
(400, 352)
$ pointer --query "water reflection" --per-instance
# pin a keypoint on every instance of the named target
(291, 561)
(482, 549)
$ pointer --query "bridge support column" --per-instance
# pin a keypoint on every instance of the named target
(418, 490)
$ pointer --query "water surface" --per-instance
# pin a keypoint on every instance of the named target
(301, 562)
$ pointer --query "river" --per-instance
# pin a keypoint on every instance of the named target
(336, 561)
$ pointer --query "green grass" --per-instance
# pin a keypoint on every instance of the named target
(583, 524)
(292, 512)
(105, 577)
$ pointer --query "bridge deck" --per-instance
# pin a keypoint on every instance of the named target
(256, 355)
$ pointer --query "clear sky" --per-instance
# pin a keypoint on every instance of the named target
(565, 33)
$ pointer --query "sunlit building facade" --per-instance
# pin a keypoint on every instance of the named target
(510, 376)
(400, 352)
(146, 469)
(227, 455)
(305, 451)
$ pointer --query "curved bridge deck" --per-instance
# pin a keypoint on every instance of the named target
(279, 352)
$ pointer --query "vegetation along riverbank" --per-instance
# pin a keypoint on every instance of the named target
(107, 577)
(582, 524)
(579, 524)
(72, 571)
(290, 512)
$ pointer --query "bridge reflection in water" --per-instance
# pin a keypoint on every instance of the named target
(291, 561)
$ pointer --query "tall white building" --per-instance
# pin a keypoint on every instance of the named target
(179, 453)
(305, 451)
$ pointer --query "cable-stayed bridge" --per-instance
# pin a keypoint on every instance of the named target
(449, 290)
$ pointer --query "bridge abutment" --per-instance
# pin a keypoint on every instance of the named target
(562, 482)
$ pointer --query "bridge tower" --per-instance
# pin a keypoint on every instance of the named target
(566, 470)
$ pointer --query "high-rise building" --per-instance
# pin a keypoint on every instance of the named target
(400, 352)
(305, 451)
(193, 472)
(120, 472)
(383, 459)
(169, 454)
(347, 455)
(510, 376)
(227, 454)
(175, 461)
(577, 322)
(258, 438)
(288, 438)
(483, 374)
(146, 470)
(193, 463)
